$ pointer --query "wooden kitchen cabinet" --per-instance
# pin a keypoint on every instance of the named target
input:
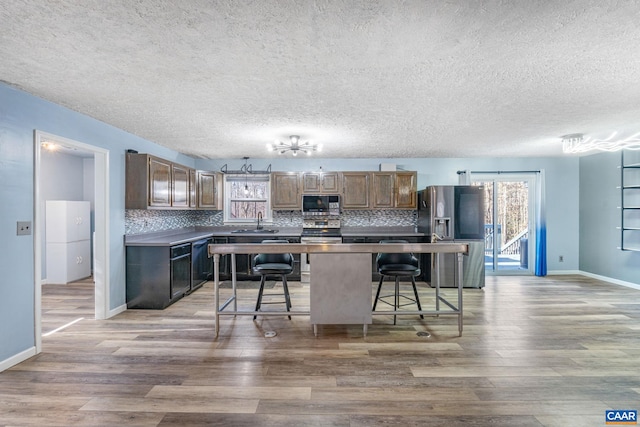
(355, 190)
(382, 189)
(406, 190)
(193, 192)
(152, 182)
(159, 182)
(394, 190)
(321, 182)
(285, 191)
(180, 186)
(209, 190)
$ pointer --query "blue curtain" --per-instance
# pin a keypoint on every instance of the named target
(541, 228)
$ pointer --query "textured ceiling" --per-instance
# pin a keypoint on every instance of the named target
(368, 78)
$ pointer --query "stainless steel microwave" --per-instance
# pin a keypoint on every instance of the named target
(321, 204)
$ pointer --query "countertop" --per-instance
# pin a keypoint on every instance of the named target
(186, 235)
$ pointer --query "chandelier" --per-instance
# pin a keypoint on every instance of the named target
(294, 145)
(577, 143)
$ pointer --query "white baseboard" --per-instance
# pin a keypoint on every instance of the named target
(20, 357)
(594, 276)
(611, 280)
(116, 311)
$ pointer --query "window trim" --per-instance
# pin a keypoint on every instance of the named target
(228, 179)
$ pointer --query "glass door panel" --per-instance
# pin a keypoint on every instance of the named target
(507, 224)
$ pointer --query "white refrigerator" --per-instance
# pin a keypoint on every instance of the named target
(68, 240)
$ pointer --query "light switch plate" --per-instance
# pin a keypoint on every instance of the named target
(24, 228)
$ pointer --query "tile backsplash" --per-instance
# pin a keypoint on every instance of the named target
(145, 221)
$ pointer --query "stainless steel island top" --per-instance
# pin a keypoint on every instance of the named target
(297, 248)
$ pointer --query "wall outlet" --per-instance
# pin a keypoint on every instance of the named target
(561, 258)
(23, 228)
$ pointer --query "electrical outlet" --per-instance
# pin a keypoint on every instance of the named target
(23, 228)
(561, 258)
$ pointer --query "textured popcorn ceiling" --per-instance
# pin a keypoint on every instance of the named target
(368, 78)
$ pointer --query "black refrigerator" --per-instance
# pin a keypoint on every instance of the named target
(454, 213)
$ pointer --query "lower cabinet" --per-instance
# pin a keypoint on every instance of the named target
(157, 276)
(201, 264)
(67, 262)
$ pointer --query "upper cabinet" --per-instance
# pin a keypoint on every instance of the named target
(285, 191)
(148, 182)
(155, 183)
(382, 189)
(355, 190)
(630, 197)
(393, 190)
(321, 182)
(193, 194)
(209, 190)
(406, 190)
(180, 186)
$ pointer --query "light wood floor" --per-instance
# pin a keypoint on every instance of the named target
(555, 351)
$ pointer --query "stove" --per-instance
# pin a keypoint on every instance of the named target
(321, 228)
(317, 231)
(321, 232)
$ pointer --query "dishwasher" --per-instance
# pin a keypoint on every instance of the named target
(201, 264)
(180, 265)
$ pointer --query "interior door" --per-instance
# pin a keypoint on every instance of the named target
(508, 223)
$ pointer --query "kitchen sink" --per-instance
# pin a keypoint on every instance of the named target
(254, 231)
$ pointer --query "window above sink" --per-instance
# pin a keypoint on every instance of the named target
(246, 196)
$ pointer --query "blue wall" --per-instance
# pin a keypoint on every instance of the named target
(599, 218)
(20, 115)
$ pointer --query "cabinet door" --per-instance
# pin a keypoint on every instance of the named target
(406, 190)
(355, 190)
(382, 185)
(67, 221)
(285, 190)
(180, 187)
(330, 182)
(311, 182)
(159, 182)
(209, 196)
(193, 192)
(321, 182)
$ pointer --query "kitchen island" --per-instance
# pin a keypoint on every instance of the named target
(341, 292)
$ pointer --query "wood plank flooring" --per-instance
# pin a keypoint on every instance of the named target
(553, 351)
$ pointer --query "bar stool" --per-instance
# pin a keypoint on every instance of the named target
(397, 265)
(273, 264)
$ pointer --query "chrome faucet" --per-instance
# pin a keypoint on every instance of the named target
(259, 226)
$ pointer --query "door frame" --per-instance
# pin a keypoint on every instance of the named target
(101, 267)
(531, 178)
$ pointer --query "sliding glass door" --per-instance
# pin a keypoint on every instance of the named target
(509, 222)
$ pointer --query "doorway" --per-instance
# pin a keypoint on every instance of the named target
(509, 222)
(101, 225)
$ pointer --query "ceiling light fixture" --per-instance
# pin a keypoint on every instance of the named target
(294, 145)
(246, 183)
(577, 143)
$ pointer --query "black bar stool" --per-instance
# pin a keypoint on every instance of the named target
(271, 265)
(397, 265)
